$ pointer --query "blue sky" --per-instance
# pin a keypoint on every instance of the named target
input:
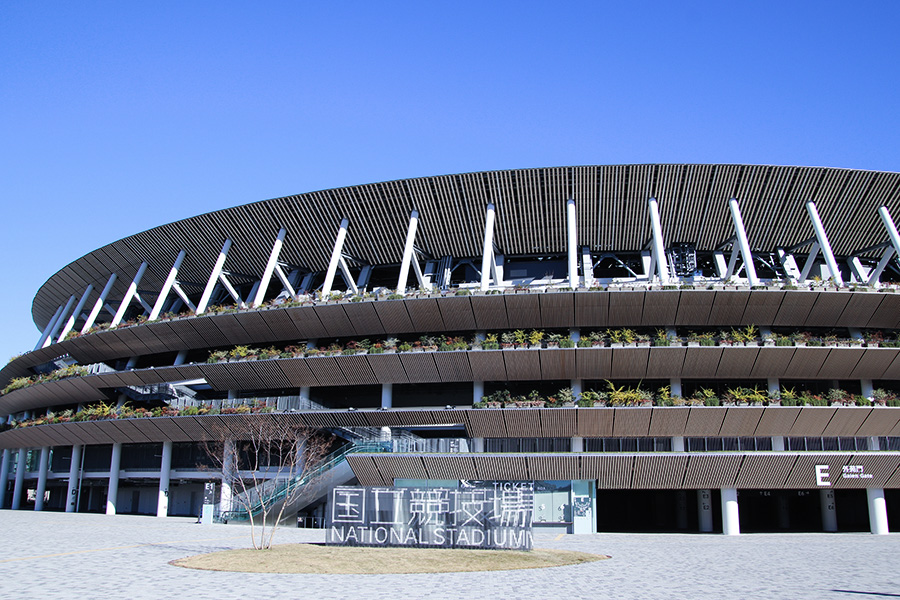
(116, 116)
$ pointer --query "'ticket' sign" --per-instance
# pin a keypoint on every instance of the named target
(492, 516)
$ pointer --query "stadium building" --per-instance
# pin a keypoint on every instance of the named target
(658, 347)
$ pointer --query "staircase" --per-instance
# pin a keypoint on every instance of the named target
(333, 470)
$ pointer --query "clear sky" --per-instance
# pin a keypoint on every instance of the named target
(118, 116)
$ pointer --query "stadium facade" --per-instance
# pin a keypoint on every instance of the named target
(657, 347)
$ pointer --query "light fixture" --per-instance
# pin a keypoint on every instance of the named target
(351, 409)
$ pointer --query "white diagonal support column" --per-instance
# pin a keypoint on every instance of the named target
(891, 250)
(345, 273)
(166, 288)
(70, 323)
(335, 257)
(822, 238)
(572, 242)
(658, 266)
(742, 243)
(98, 305)
(285, 280)
(270, 267)
(132, 291)
(59, 321)
(408, 251)
(487, 253)
(213, 278)
(184, 297)
(49, 328)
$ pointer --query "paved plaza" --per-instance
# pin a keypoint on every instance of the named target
(51, 555)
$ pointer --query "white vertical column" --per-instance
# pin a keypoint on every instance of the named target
(742, 242)
(228, 471)
(167, 286)
(704, 510)
(48, 330)
(577, 444)
(822, 238)
(678, 443)
(731, 523)
(98, 305)
(74, 483)
(213, 277)
(487, 252)
(20, 479)
(572, 241)
(477, 394)
(4, 475)
(777, 443)
(42, 478)
(387, 401)
(132, 290)
(829, 514)
(112, 492)
(408, 251)
(878, 519)
(657, 244)
(270, 267)
(675, 386)
(165, 472)
(335, 257)
(867, 389)
(70, 323)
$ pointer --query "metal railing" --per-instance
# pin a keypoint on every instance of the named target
(280, 490)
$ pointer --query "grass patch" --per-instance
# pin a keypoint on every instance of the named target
(315, 558)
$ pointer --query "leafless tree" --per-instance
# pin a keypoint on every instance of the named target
(269, 462)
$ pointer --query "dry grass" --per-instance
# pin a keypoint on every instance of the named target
(313, 558)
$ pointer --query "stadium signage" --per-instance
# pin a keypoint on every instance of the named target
(491, 517)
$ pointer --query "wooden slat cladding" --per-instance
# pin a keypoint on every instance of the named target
(711, 470)
(548, 422)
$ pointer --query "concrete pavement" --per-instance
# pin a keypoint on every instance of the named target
(85, 556)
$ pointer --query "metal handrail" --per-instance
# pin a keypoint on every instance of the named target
(283, 489)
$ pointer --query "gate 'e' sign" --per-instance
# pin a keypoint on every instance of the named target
(497, 516)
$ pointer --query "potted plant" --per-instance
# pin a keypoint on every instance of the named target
(490, 342)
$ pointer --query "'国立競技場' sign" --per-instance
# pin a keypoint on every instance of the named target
(495, 515)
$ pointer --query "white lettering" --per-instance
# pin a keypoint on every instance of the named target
(822, 475)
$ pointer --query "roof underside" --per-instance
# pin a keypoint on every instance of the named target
(611, 211)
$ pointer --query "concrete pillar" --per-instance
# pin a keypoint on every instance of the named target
(20, 478)
(829, 514)
(4, 476)
(675, 386)
(180, 357)
(575, 384)
(704, 510)
(878, 520)
(112, 492)
(577, 444)
(678, 443)
(731, 523)
(74, 483)
(165, 470)
(774, 386)
(387, 401)
(477, 444)
(873, 443)
(42, 478)
(228, 468)
(387, 395)
(575, 334)
(867, 389)
(477, 391)
(778, 443)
